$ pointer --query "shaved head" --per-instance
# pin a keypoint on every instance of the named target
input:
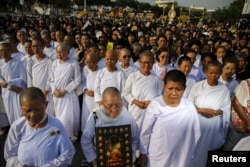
(111, 91)
(32, 93)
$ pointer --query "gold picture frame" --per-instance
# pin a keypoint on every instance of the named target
(114, 146)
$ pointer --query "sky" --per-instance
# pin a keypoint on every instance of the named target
(209, 4)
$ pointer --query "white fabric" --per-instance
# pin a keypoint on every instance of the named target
(124, 118)
(242, 93)
(107, 79)
(50, 52)
(67, 76)
(230, 85)
(142, 88)
(38, 147)
(88, 103)
(127, 71)
(169, 134)
(38, 75)
(243, 144)
(157, 70)
(38, 72)
(21, 48)
(14, 73)
(101, 63)
(17, 55)
(213, 130)
(189, 84)
(24, 60)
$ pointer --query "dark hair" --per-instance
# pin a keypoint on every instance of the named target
(158, 52)
(182, 59)
(208, 54)
(230, 59)
(215, 63)
(32, 93)
(190, 51)
(218, 47)
(175, 76)
(242, 55)
(39, 40)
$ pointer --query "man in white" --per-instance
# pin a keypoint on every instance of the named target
(65, 78)
(109, 76)
(12, 80)
(141, 87)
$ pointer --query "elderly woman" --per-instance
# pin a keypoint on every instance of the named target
(37, 139)
(111, 113)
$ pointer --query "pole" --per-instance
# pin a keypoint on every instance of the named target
(85, 5)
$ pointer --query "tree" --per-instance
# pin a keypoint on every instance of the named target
(232, 13)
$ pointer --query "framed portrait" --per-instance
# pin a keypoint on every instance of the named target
(114, 146)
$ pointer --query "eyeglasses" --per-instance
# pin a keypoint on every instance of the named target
(126, 56)
(109, 107)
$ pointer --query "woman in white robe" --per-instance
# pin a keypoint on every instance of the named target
(212, 100)
(89, 76)
(65, 78)
(12, 80)
(162, 66)
(37, 139)
(141, 87)
(171, 127)
(111, 113)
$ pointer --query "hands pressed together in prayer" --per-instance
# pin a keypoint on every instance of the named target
(89, 92)
(209, 113)
(60, 93)
(141, 104)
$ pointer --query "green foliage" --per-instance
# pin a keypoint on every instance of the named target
(232, 13)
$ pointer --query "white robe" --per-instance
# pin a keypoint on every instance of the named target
(157, 70)
(243, 144)
(67, 76)
(50, 52)
(189, 84)
(107, 79)
(88, 103)
(102, 120)
(213, 130)
(38, 75)
(15, 74)
(17, 55)
(169, 134)
(230, 85)
(142, 88)
(47, 146)
(129, 70)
